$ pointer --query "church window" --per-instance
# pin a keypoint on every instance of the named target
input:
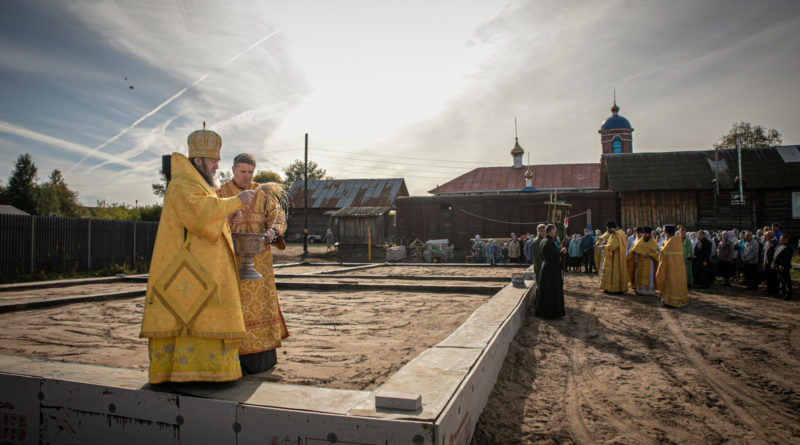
(616, 144)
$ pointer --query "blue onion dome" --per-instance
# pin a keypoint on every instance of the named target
(615, 121)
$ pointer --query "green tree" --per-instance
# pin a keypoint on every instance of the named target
(145, 213)
(160, 189)
(47, 200)
(21, 190)
(294, 172)
(750, 136)
(264, 176)
(67, 199)
(114, 210)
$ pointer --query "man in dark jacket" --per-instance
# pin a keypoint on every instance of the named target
(770, 245)
(782, 263)
(587, 247)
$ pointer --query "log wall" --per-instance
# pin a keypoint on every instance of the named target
(656, 208)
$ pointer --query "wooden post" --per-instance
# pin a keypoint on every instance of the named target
(133, 260)
(305, 201)
(89, 246)
(369, 244)
(33, 240)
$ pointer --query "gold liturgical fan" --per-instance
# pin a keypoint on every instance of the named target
(184, 288)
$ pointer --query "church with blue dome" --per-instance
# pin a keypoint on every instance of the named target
(616, 133)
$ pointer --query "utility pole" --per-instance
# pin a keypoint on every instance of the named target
(716, 184)
(305, 201)
(741, 187)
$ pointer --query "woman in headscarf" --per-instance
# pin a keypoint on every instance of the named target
(725, 257)
(478, 250)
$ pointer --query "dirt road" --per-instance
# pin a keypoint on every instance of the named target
(624, 369)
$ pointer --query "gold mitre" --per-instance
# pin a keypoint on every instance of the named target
(204, 144)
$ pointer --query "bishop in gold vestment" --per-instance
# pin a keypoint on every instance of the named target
(192, 314)
(614, 272)
(642, 263)
(671, 273)
(263, 318)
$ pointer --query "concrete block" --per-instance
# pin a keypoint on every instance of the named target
(272, 425)
(19, 409)
(139, 405)
(398, 400)
(207, 421)
(69, 426)
(471, 334)
(282, 395)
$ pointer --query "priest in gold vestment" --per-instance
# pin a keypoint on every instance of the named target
(671, 273)
(614, 271)
(642, 263)
(262, 312)
(599, 246)
(192, 313)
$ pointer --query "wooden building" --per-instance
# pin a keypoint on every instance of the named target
(459, 218)
(635, 189)
(678, 188)
(362, 225)
(326, 197)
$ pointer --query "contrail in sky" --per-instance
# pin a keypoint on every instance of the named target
(172, 98)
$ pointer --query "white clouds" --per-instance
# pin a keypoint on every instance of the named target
(416, 79)
(72, 147)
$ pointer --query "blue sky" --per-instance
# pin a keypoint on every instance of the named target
(424, 90)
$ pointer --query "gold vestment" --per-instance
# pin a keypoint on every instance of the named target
(263, 318)
(642, 263)
(614, 272)
(671, 274)
(192, 312)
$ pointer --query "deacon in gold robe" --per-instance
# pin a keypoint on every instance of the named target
(642, 263)
(599, 248)
(671, 273)
(614, 271)
(262, 312)
(192, 314)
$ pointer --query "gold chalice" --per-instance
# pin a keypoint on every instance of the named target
(247, 246)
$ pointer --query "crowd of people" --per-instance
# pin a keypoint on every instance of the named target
(669, 259)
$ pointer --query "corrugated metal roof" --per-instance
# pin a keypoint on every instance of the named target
(692, 170)
(11, 210)
(340, 193)
(361, 212)
(545, 177)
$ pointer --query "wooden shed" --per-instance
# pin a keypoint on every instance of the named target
(326, 197)
(362, 225)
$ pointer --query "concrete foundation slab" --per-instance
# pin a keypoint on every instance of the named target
(80, 403)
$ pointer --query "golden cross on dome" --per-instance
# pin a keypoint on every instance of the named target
(185, 288)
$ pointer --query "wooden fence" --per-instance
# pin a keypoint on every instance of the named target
(33, 244)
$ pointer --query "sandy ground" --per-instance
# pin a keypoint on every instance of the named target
(624, 369)
(19, 296)
(616, 369)
(349, 340)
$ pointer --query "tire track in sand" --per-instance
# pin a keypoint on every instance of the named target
(579, 431)
(578, 390)
(736, 400)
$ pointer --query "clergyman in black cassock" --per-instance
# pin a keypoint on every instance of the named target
(550, 292)
(702, 263)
